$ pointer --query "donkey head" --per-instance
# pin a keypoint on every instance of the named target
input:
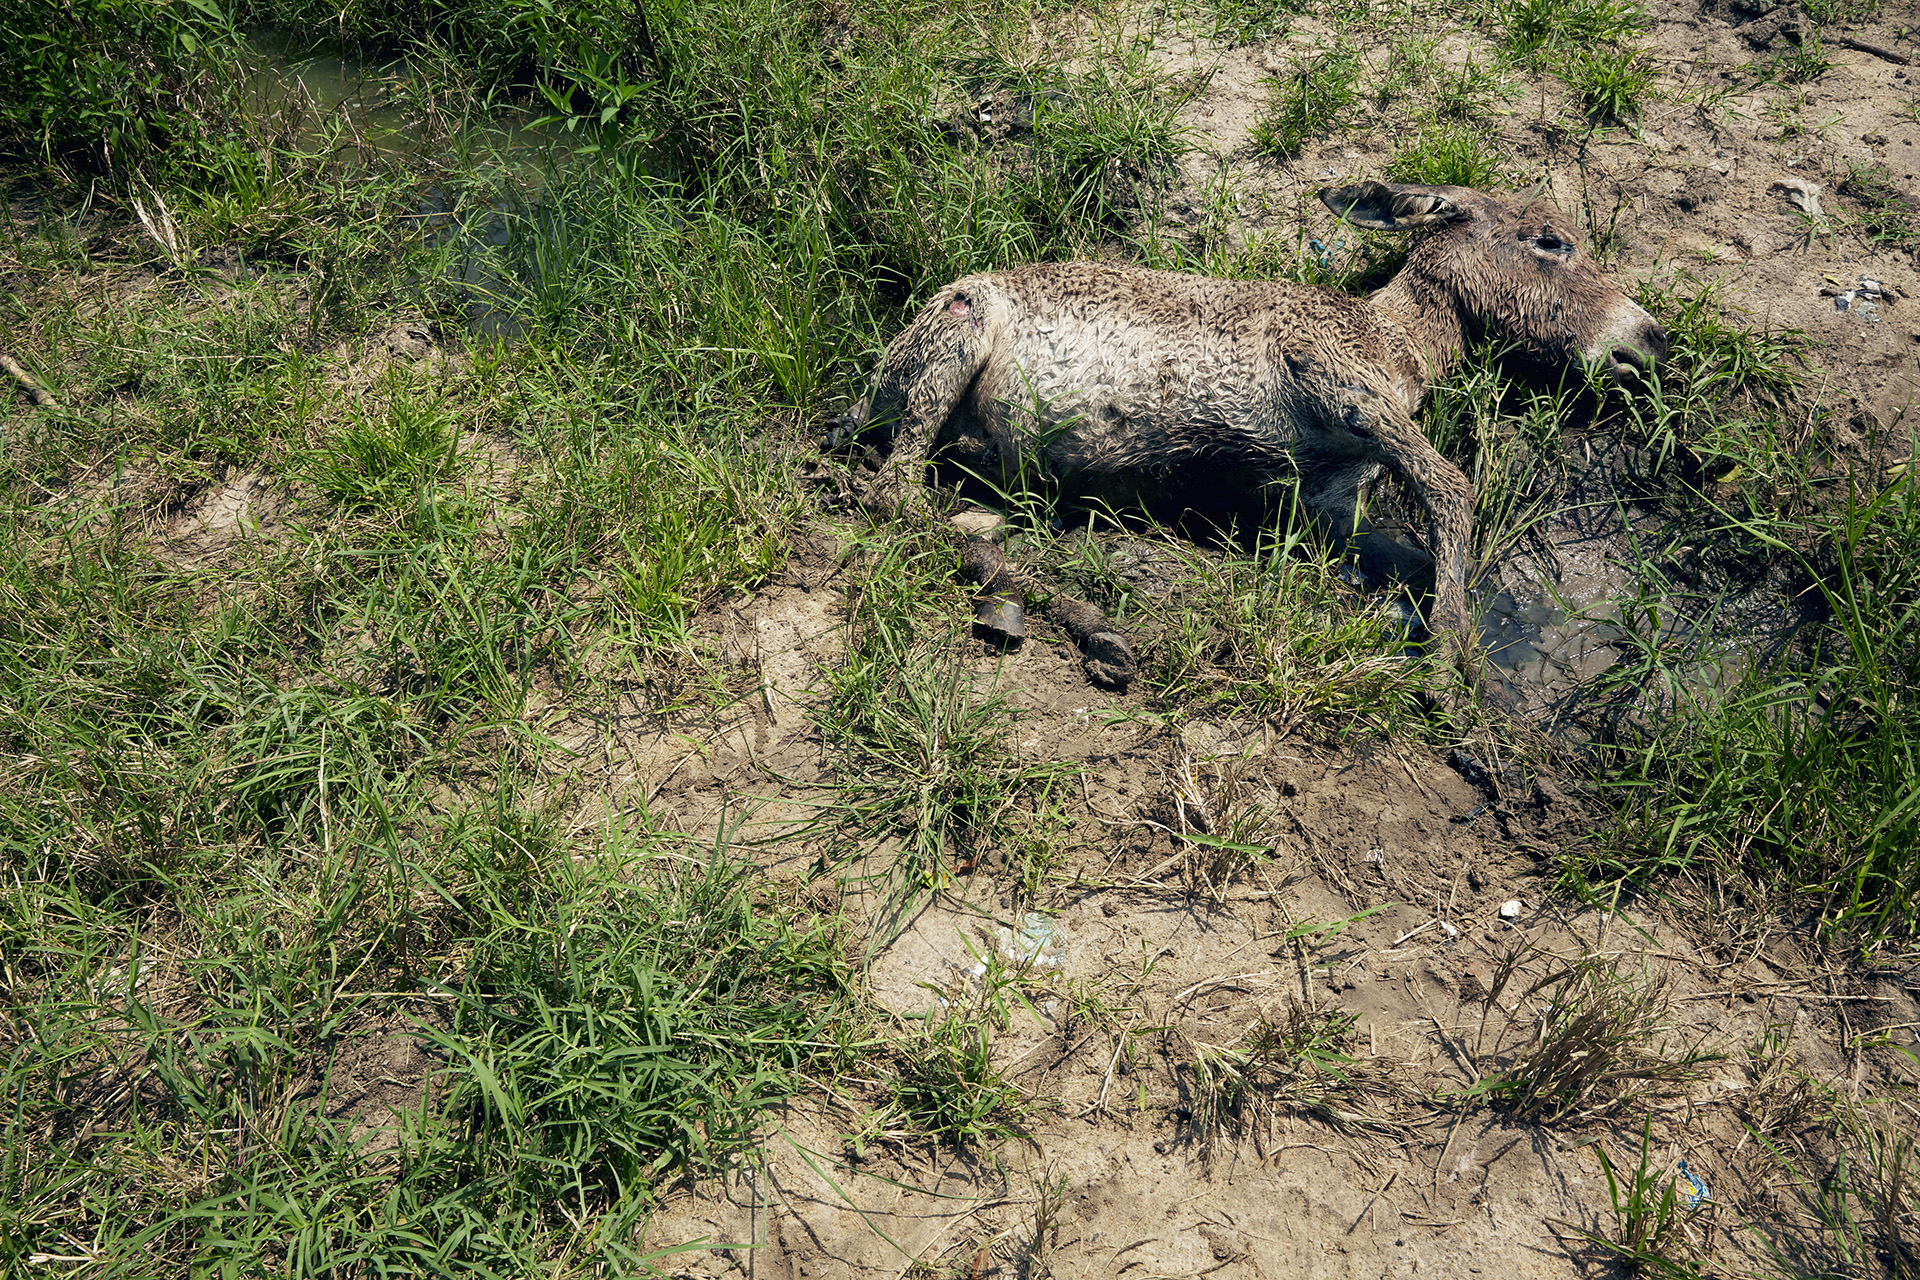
(1513, 272)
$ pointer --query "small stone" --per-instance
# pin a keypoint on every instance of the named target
(1510, 909)
(982, 524)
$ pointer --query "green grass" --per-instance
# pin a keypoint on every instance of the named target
(946, 1085)
(1591, 44)
(1320, 96)
(1651, 1221)
(1270, 632)
(1802, 63)
(1474, 91)
(1798, 779)
(925, 773)
(1612, 84)
(103, 86)
(1887, 215)
(1243, 22)
(1536, 32)
(1793, 776)
(268, 801)
(1456, 156)
(611, 1023)
(292, 777)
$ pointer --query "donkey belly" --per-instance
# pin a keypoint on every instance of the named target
(1108, 411)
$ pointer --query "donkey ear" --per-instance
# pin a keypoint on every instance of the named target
(1380, 207)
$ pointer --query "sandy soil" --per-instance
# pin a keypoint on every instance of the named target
(1122, 1171)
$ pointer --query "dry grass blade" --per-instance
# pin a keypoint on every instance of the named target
(160, 227)
(1296, 1064)
(1598, 1045)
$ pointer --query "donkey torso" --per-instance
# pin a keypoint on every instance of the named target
(1114, 377)
(1103, 371)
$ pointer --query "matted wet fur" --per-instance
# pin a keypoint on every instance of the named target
(1115, 377)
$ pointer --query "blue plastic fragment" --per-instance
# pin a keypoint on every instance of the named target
(1326, 251)
(1699, 1192)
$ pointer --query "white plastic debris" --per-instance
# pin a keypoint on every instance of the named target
(1039, 943)
(1860, 302)
(1802, 195)
(1449, 930)
(1510, 909)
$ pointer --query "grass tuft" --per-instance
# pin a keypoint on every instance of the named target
(1887, 214)
(1536, 31)
(1448, 156)
(1592, 1043)
(923, 770)
(1298, 1064)
(1321, 96)
(1613, 83)
(1651, 1234)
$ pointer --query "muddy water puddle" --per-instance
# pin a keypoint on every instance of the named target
(335, 85)
(334, 97)
(1596, 586)
(1599, 583)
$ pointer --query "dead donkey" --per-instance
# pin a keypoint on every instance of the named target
(1120, 379)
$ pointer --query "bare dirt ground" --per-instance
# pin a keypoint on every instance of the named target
(1130, 1166)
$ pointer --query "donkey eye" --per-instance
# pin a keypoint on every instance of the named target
(1548, 242)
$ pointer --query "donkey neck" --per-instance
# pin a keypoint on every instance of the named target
(1425, 314)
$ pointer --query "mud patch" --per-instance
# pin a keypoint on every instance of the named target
(251, 506)
(376, 1073)
(1395, 909)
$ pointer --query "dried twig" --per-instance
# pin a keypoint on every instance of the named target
(39, 394)
(1867, 46)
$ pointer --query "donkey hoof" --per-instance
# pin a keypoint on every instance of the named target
(1000, 621)
(1108, 660)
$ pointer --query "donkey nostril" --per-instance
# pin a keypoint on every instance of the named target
(1631, 358)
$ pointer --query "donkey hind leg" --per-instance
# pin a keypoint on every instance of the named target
(1104, 652)
(925, 372)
